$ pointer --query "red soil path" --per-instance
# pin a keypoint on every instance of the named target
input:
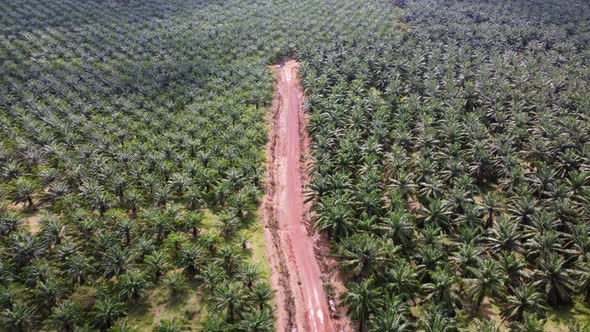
(300, 301)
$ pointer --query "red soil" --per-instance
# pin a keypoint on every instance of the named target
(301, 303)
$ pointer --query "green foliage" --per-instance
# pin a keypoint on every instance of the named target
(450, 148)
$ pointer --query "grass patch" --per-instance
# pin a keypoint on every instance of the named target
(558, 319)
(159, 306)
(254, 232)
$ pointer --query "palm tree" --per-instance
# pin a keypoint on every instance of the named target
(402, 280)
(157, 264)
(487, 280)
(79, 268)
(256, 321)
(133, 285)
(390, 322)
(9, 222)
(582, 273)
(504, 236)
(362, 300)
(18, 318)
(23, 190)
(229, 258)
(555, 280)
(493, 204)
(439, 289)
(106, 312)
(261, 295)
(212, 275)
(362, 255)
(399, 227)
(116, 261)
(124, 327)
(466, 257)
(435, 214)
(335, 216)
(50, 291)
(52, 230)
(530, 323)
(436, 319)
(190, 259)
(525, 299)
(486, 326)
(249, 274)
(66, 316)
(193, 221)
(229, 298)
(513, 267)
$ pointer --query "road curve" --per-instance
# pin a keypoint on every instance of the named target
(301, 303)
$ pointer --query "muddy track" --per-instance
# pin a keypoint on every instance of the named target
(301, 303)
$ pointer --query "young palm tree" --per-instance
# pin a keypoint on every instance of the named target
(174, 325)
(133, 286)
(555, 280)
(79, 268)
(18, 318)
(362, 300)
(66, 316)
(504, 236)
(402, 280)
(157, 264)
(106, 312)
(256, 321)
(229, 298)
(525, 299)
(361, 255)
(439, 289)
(399, 227)
(487, 280)
(493, 204)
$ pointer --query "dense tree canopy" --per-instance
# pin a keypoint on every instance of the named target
(450, 147)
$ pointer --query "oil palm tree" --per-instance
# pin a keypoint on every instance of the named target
(256, 321)
(133, 286)
(402, 280)
(19, 318)
(555, 280)
(362, 300)
(66, 316)
(362, 255)
(106, 312)
(230, 299)
(157, 264)
(487, 280)
(525, 299)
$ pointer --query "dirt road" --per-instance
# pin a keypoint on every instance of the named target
(301, 303)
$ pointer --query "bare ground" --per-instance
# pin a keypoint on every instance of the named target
(295, 253)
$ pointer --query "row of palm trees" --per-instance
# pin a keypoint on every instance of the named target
(125, 126)
(450, 165)
(124, 129)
